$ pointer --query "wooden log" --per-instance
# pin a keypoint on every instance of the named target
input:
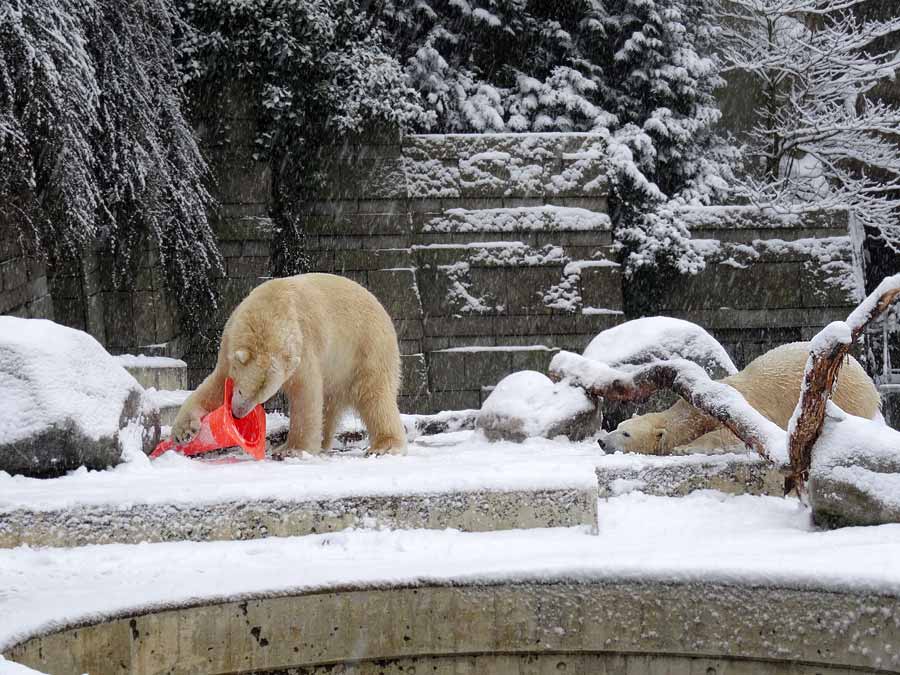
(827, 353)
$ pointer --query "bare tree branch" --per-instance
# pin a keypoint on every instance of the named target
(826, 355)
(720, 401)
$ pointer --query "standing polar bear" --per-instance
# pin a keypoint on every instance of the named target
(327, 343)
(770, 383)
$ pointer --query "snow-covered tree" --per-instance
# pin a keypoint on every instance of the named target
(820, 138)
(639, 72)
(317, 70)
(93, 143)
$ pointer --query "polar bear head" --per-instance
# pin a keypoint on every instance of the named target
(260, 361)
(645, 434)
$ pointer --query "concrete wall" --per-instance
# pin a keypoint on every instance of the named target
(590, 626)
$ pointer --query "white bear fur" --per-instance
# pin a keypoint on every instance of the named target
(327, 343)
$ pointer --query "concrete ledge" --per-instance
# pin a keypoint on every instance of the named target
(476, 511)
(676, 476)
(509, 628)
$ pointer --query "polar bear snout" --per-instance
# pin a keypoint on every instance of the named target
(601, 440)
(241, 406)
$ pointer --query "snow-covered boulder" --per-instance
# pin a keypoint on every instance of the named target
(655, 338)
(64, 401)
(660, 338)
(855, 474)
(528, 404)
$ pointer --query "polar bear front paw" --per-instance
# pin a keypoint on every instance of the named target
(287, 450)
(186, 429)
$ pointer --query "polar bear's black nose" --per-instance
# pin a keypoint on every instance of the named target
(602, 444)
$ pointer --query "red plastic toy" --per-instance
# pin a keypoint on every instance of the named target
(220, 429)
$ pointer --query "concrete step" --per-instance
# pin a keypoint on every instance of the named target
(677, 476)
(450, 480)
(157, 372)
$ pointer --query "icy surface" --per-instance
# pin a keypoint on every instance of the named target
(535, 400)
(51, 375)
(706, 537)
(658, 338)
(460, 461)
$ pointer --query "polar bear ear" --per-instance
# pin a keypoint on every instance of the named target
(241, 356)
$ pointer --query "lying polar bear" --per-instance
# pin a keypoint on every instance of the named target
(770, 383)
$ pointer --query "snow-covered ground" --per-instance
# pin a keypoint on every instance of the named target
(705, 537)
(460, 461)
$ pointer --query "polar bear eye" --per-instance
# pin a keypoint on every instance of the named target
(626, 434)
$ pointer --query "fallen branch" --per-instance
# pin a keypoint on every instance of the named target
(717, 399)
(826, 355)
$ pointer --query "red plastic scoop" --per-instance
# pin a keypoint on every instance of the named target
(220, 429)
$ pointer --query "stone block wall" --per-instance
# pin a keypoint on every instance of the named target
(491, 253)
(769, 278)
(485, 250)
(24, 290)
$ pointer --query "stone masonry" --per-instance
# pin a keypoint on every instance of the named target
(491, 252)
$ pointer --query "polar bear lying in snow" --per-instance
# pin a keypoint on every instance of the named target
(771, 384)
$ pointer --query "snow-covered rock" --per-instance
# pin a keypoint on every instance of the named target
(528, 404)
(855, 474)
(65, 400)
(660, 338)
(650, 339)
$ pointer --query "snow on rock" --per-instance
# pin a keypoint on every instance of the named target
(528, 404)
(660, 338)
(855, 474)
(64, 400)
(461, 461)
(545, 218)
(144, 361)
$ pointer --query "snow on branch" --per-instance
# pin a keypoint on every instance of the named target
(717, 399)
(819, 135)
(826, 355)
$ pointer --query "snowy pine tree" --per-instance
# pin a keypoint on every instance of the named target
(820, 139)
(639, 72)
(93, 143)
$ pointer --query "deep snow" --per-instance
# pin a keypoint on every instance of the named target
(704, 537)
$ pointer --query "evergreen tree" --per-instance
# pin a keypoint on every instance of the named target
(639, 72)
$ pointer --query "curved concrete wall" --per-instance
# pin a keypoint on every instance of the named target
(505, 628)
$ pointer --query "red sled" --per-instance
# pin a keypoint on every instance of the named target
(220, 429)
